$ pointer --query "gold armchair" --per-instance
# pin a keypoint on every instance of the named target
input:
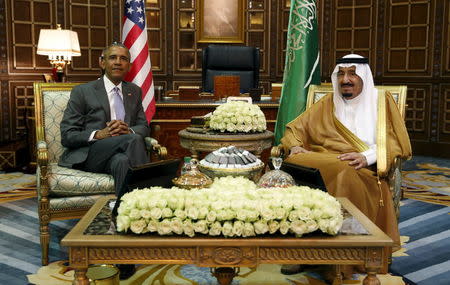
(64, 193)
(398, 92)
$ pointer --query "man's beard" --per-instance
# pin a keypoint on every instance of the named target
(347, 95)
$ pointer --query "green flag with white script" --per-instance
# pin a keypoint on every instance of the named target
(302, 63)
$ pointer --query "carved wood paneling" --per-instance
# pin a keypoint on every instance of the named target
(408, 42)
(318, 254)
(444, 129)
(354, 24)
(26, 20)
(446, 40)
(143, 254)
(92, 20)
(409, 34)
(417, 117)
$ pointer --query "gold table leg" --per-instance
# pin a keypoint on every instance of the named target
(80, 277)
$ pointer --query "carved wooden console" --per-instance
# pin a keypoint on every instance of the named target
(226, 255)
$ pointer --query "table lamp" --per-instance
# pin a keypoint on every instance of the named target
(59, 45)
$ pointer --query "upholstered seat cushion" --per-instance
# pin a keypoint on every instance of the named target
(65, 182)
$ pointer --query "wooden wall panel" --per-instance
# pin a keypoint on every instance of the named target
(407, 42)
(92, 21)
(27, 18)
(409, 38)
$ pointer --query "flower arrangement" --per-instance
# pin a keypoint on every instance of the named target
(232, 207)
(238, 116)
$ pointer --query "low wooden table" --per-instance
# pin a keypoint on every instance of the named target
(368, 250)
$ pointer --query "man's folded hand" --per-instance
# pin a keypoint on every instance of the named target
(356, 159)
(118, 127)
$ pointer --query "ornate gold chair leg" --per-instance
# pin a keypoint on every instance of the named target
(45, 241)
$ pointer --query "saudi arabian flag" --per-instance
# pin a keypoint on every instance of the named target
(302, 63)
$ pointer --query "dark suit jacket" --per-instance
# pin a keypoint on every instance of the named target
(88, 110)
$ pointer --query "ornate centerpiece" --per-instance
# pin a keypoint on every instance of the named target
(232, 161)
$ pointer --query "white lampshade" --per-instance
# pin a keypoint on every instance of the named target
(58, 44)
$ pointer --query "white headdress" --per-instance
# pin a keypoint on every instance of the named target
(366, 103)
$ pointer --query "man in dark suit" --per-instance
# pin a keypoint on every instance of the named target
(104, 125)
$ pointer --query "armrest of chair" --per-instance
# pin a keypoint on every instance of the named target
(277, 151)
(42, 153)
(42, 163)
(152, 145)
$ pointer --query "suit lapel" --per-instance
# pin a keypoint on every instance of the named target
(127, 101)
(102, 97)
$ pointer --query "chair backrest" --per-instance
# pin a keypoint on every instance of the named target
(230, 60)
(50, 101)
(316, 92)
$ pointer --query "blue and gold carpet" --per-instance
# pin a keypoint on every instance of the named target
(424, 226)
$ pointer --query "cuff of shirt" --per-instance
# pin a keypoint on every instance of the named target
(131, 130)
(91, 137)
(371, 156)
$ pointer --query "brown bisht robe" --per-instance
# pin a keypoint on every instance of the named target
(319, 131)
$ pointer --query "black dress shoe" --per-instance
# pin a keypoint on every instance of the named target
(126, 270)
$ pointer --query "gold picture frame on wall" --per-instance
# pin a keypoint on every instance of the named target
(220, 21)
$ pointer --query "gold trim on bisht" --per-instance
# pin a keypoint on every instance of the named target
(350, 137)
(381, 134)
(381, 141)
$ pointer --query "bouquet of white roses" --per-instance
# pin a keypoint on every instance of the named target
(238, 116)
(232, 207)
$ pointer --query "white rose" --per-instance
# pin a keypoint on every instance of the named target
(155, 213)
(248, 231)
(273, 227)
(267, 214)
(304, 213)
(238, 227)
(261, 227)
(192, 213)
(252, 216)
(202, 213)
(227, 229)
(280, 213)
(146, 214)
(293, 215)
(180, 214)
(215, 229)
(135, 214)
(166, 213)
(201, 227)
(298, 227)
(211, 216)
(311, 226)
(138, 226)
(324, 224)
(284, 227)
(123, 223)
(152, 226)
(165, 227)
(188, 228)
(176, 225)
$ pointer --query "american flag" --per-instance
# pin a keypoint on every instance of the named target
(134, 37)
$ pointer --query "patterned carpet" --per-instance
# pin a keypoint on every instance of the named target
(427, 179)
(423, 259)
(17, 186)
